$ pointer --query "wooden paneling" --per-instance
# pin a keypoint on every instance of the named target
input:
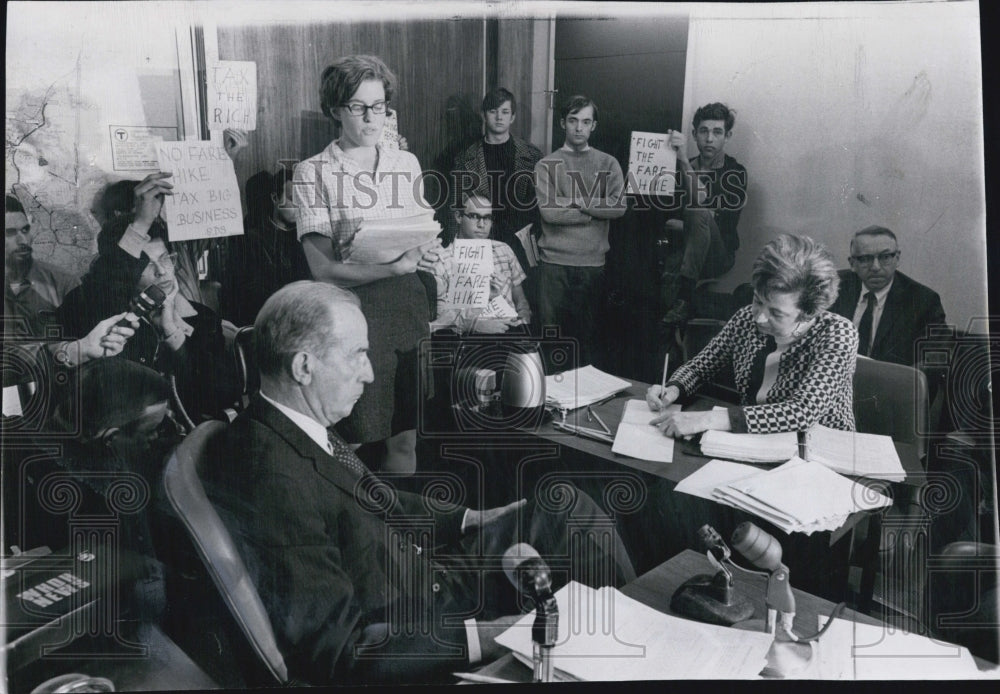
(440, 70)
(514, 57)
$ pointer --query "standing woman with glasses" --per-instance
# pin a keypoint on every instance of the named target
(352, 180)
(183, 339)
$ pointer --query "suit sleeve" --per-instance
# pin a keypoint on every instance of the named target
(316, 611)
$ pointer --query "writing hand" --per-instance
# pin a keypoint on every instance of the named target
(658, 399)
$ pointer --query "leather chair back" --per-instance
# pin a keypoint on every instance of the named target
(215, 546)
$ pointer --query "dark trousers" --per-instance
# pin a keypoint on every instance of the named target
(570, 297)
(705, 254)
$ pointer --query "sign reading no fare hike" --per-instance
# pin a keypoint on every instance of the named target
(206, 197)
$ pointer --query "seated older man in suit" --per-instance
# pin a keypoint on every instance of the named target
(890, 310)
(364, 583)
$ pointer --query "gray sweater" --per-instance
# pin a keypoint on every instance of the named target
(578, 193)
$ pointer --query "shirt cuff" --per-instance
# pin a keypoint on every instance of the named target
(465, 517)
(132, 242)
(472, 635)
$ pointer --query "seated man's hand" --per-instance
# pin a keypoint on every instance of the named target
(481, 519)
(488, 633)
(658, 399)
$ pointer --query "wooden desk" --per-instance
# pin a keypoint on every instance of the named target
(656, 587)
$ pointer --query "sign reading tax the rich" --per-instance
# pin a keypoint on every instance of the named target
(232, 95)
(471, 272)
(206, 197)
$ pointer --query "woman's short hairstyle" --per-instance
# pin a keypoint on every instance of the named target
(299, 317)
(342, 78)
(112, 394)
(797, 264)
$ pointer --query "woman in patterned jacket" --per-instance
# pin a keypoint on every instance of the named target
(792, 359)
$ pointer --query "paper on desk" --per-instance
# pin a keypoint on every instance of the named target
(605, 635)
(637, 438)
(576, 388)
(715, 473)
(752, 448)
(853, 453)
(852, 651)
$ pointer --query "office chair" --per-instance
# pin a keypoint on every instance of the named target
(892, 400)
(216, 548)
(239, 346)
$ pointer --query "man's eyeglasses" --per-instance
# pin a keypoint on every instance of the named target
(477, 217)
(356, 108)
(165, 262)
(883, 258)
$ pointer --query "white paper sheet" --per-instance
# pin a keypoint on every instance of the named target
(637, 438)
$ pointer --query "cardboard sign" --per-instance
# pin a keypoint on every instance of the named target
(206, 200)
(232, 95)
(651, 165)
(471, 271)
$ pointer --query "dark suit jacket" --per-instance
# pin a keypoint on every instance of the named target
(338, 567)
(910, 308)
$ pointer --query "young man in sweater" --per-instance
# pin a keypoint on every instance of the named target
(579, 190)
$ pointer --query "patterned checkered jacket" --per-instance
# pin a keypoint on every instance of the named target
(815, 382)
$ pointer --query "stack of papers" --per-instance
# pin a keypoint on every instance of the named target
(848, 452)
(637, 438)
(752, 448)
(581, 387)
(852, 651)
(799, 496)
(385, 240)
(605, 635)
(851, 453)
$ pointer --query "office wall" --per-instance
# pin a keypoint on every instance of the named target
(73, 71)
(871, 114)
(439, 65)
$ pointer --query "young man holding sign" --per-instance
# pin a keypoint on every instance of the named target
(479, 293)
(713, 190)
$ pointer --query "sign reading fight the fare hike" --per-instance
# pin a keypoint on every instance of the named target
(651, 165)
(470, 278)
(206, 197)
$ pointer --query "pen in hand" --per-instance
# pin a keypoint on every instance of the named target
(663, 381)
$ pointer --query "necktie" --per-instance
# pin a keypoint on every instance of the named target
(865, 327)
(343, 454)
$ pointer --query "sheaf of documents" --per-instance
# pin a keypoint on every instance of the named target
(385, 240)
(606, 635)
(637, 438)
(576, 388)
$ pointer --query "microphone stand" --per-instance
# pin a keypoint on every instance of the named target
(544, 632)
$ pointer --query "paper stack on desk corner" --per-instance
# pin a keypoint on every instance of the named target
(604, 635)
(576, 388)
(799, 496)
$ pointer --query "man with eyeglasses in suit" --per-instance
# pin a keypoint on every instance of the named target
(901, 309)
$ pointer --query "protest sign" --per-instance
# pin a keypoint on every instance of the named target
(471, 272)
(206, 197)
(232, 95)
(651, 165)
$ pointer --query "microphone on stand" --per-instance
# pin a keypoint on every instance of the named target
(529, 573)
